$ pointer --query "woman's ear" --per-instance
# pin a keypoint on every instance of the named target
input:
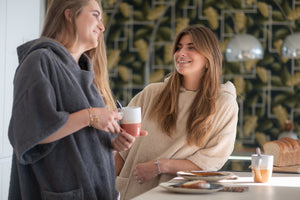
(68, 15)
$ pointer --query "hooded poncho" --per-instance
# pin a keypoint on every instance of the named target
(48, 86)
(211, 156)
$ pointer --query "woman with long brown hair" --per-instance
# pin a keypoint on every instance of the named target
(191, 118)
(64, 122)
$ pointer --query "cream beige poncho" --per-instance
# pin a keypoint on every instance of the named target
(157, 144)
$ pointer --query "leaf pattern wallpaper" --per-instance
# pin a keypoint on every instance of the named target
(139, 36)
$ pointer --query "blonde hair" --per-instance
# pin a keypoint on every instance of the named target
(56, 23)
(165, 110)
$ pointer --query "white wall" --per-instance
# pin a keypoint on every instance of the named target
(20, 21)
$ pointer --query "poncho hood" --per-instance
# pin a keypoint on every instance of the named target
(47, 43)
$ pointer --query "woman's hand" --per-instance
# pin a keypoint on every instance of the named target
(148, 170)
(145, 171)
(107, 120)
(123, 142)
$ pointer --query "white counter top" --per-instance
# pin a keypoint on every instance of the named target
(282, 186)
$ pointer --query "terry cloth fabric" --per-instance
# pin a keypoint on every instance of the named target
(157, 144)
(48, 86)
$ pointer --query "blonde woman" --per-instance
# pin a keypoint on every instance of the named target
(191, 118)
(63, 116)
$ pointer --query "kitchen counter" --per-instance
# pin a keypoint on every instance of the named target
(282, 186)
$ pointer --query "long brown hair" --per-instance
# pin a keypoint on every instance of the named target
(56, 23)
(165, 110)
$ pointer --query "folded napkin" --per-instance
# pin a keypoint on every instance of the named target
(235, 189)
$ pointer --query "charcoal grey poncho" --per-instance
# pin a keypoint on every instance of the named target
(48, 86)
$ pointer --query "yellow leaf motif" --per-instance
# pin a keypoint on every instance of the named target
(181, 24)
(249, 2)
(124, 73)
(156, 13)
(125, 9)
(111, 2)
(240, 19)
(156, 76)
(223, 45)
(142, 47)
(113, 58)
(168, 53)
(250, 64)
(105, 19)
(212, 17)
(295, 14)
(263, 8)
(250, 125)
(240, 85)
(294, 80)
(277, 44)
(262, 74)
(261, 138)
(281, 114)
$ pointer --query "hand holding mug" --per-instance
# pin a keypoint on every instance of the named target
(106, 119)
(124, 140)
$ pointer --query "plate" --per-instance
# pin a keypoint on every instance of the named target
(175, 187)
(206, 175)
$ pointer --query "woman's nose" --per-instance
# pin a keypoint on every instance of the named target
(182, 52)
(101, 26)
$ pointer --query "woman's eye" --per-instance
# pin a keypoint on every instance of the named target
(177, 48)
(192, 48)
(96, 15)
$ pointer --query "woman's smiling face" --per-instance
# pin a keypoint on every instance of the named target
(188, 61)
(89, 25)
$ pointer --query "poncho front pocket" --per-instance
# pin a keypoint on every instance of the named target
(70, 195)
(121, 185)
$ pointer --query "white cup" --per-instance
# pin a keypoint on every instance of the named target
(262, 167)
(131, 121)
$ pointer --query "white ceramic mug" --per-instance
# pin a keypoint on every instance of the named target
(131, 121)
(262, 167)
